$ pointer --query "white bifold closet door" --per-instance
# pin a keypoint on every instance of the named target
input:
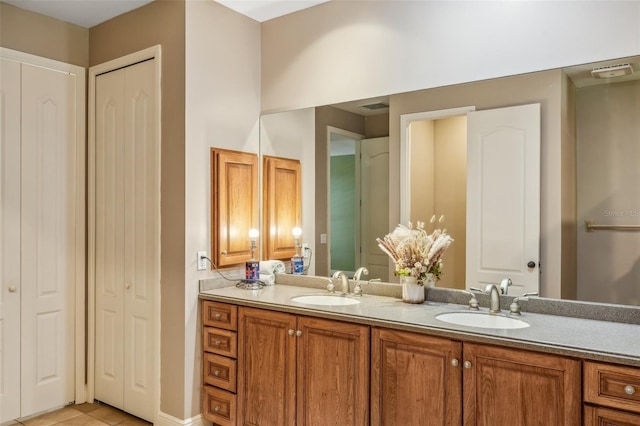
(39, 186)
(127, 237)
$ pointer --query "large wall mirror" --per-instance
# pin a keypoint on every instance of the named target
(589, 174)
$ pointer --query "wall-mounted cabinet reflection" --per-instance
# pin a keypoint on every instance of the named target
(234, 205)
(282, 206)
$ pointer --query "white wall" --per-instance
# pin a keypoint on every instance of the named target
(292, 135)
(386, 47)
(222, 110)
(608, 159)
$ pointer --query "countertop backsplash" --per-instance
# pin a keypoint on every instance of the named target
(538, 305)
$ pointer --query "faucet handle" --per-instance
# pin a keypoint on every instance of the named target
(473, 302)
(514, 307)
(529, 294)
(357, 290)
(476, 289)
(359, 272)
(330, 287)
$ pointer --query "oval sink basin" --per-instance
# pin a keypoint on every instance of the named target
(325, 300)
(481, 320)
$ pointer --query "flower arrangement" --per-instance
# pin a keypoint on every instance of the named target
(414, 251)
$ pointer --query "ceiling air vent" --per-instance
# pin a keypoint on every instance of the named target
(612, 71)
(378, 105)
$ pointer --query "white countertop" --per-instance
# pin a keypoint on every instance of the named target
(583, 338)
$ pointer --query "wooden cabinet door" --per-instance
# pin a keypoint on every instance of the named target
(234, 205)
(508, 387)
(282, 206)
(415, 379)
(266, 367)
(333, 373)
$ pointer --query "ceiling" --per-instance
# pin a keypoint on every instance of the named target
(88, 13)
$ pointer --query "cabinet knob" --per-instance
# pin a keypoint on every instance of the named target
(298, 333)
(216, 373)
(12, 289)
(454, 362)
(216, 408)
(291, 332)
(217, 316)
(467, 364)
(223, 252)
(217, 343)
(531, 264)
(629, 390)
(127, 286)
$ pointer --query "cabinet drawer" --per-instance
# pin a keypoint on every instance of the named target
(220, 315)
(600, 416)
(612, 385)
(219, 406)
(222, 342)
(220, 371)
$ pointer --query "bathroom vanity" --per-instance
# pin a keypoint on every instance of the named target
(271, 360)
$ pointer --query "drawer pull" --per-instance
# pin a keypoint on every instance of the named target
(454, 362)
(629, 390)
(217, 316)
(216, 408)
(216, 373)
(217, 342)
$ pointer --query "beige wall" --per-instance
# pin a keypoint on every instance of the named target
(422, 184)
(40, 35)
(327, 116)
(450, 154)
(543, 87)
(376, 126)
(608, 148)
(291, 135)
(346, 50)
(162, 22)
(439, 187)
(222, 109)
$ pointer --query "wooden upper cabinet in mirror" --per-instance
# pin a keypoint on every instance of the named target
(234, 205)
(282, 206)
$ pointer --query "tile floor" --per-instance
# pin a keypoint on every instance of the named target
(83, 415)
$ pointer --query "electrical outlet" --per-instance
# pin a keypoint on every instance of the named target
(305, 251)
(202, 260)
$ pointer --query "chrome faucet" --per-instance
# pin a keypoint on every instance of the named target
(494, 295)
(344, 281)
(504, 285)
(361, 270)
(357, 290)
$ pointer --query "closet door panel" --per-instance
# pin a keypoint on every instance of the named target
(127, 237)
(110, 237)
(48, 238)
(10, 289)
(142, 245)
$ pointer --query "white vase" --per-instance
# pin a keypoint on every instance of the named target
(412, 292)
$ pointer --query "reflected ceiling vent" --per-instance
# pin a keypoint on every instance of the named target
(612, 71)
(377, 105)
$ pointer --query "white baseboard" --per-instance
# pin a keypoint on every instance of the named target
(167, 420)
